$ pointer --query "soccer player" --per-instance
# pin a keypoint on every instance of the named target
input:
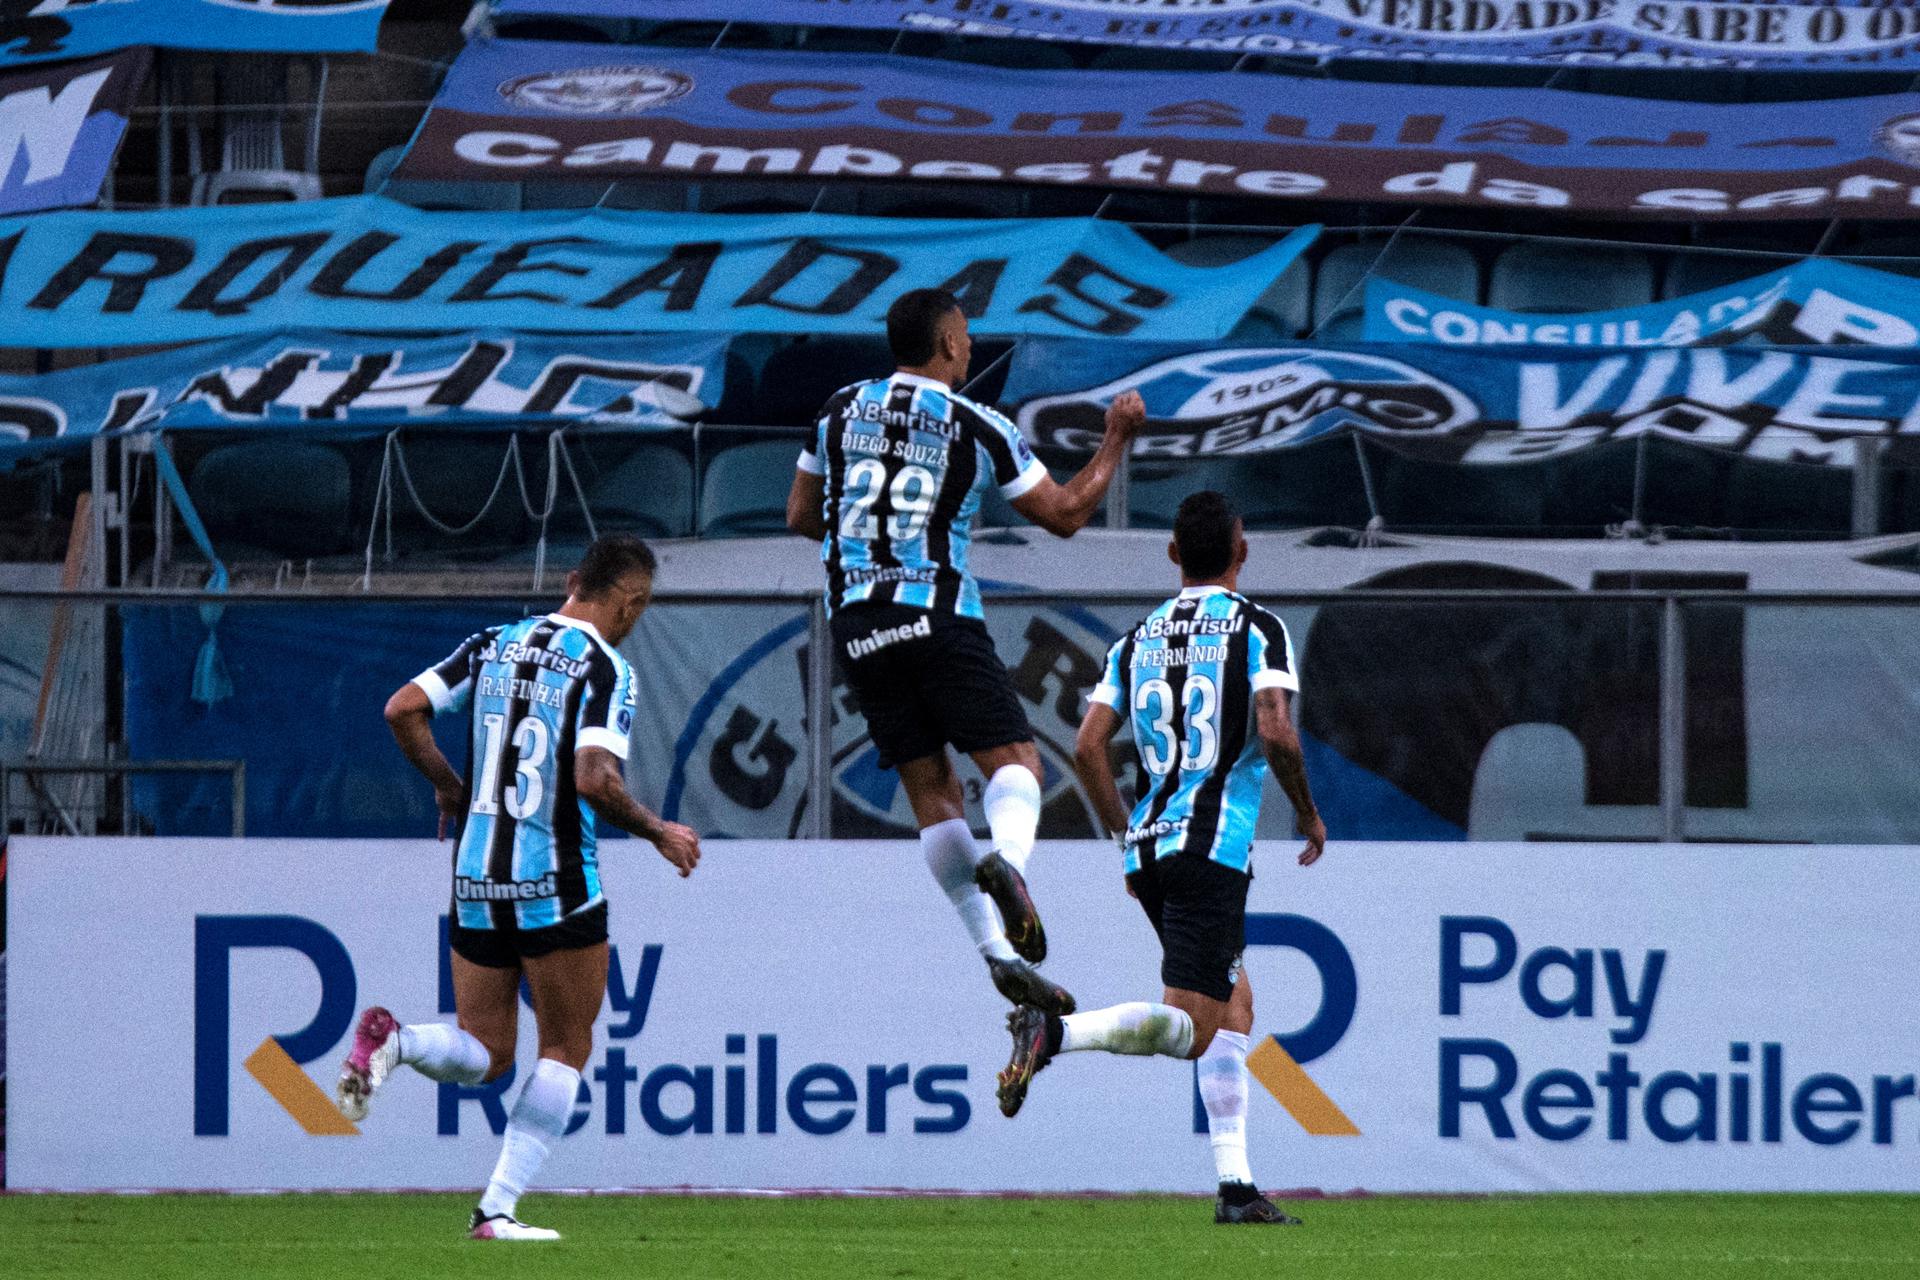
(1204, 680)
(550, 701)
(890, 486)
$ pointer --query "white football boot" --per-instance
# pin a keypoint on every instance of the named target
(504, 1226)
(375, 1053)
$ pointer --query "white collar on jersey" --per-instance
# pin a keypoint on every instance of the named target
(581, 623)
(1200, 593)
(918, 380)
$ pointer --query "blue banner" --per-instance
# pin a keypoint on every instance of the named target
(1465, 406)
(36, 32)
(93, 280)
(1870, 34)
(1812, 303)
(314, 380)
(60, 127)
(527, 110)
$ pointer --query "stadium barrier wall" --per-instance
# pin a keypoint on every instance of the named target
(1430, 1018)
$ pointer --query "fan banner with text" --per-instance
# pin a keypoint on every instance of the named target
(1458, 405)
(524, 111)
(364, 262)
(1817, 302)
(38, 32)
(314, 380)
(1869, 34)
(60, 128)
(1438, 1018)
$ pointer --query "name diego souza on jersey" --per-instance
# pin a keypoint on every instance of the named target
(468, 889)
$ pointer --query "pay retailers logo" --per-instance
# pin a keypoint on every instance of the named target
(746, 1092)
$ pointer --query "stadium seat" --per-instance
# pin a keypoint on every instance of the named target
(798, 378)
(648, 492)
(1547, 277)
(287, 497)
(744, 491)
(255, 104)
(1339, 290)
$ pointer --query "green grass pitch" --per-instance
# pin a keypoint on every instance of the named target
(419, 1237)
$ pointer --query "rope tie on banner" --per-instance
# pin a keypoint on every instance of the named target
(211, 682)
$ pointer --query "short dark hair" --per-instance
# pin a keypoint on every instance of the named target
(1203, 530)
(913, 324)
(611, 557)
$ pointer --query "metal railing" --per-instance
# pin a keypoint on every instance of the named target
(53, 815)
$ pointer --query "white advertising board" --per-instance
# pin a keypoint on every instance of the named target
(1486, 1017)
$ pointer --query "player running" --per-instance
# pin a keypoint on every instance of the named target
(550, 702)
(896, 471)
(1204, 680)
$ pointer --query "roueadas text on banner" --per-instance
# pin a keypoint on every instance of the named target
(364, 262)
(532, 110)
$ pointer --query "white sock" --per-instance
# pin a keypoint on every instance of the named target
(538, 1118)
(1137, 1028)
(1012, 802)
(442, 1051)
(1222, 1073)
(952, 855)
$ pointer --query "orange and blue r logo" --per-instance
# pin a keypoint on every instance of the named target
(276, 1063)
(1278, 1061)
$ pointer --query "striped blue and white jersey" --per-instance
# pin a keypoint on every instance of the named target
(1186, 677)
(906, 461)
(537, 691)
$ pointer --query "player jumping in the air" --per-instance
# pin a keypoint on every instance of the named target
(890, 485)
(1204, 680)
(551, 703)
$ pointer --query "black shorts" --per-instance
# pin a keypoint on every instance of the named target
(506, 948)
(924, 680)
(1199, 909)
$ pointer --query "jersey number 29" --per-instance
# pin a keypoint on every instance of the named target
(1202, 745)
(530, 747)
(912, 493)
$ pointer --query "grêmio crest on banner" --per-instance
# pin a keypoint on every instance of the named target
(42, 30)
(522, 111)
(363, 262)
(1454, 405)
(319, 380)
(1818, 302)
(1685, 33)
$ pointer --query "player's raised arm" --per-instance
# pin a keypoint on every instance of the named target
(598, 778)
(1281, 745)
(1064, 509)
